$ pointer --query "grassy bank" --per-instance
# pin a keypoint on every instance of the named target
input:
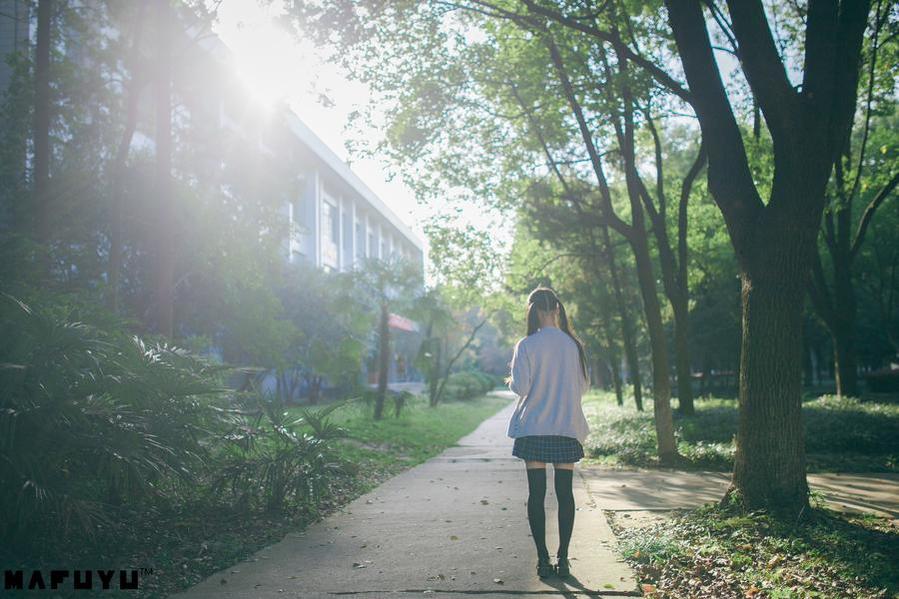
(420, 433)
(712, 552)
(842, 435)
(206, 533)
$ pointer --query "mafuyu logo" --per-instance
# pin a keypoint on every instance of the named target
(79, 580)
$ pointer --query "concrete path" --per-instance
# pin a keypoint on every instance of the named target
(626, 490)
(455, 525)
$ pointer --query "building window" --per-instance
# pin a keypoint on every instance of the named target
(330, 222)
(299, 208)
(360, 241)
(372, 245)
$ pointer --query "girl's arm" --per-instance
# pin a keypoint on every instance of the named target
(520, 381)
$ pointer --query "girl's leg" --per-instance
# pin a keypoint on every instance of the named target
(536, 514)
(563, 474)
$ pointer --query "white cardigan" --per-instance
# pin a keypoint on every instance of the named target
(548, 378)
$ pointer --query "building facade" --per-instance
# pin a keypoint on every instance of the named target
(334, 219)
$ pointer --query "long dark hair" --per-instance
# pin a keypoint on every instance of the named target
(546, 300)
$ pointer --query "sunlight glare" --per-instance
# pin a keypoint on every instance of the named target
(267, 62)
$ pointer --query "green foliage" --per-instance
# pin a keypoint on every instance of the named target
(467, 385)
(100, 429)
(723, 553)
(841, 434)
(268, 460)
(650, 548)
(333, 323)
(418, 434)
(92, 418)
(845, 433)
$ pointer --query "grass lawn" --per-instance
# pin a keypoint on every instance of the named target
(204, 534)
(842, 435)
(390, 445)
(714, 552)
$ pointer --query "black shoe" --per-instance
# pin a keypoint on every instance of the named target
(562, 568)
(544, 568)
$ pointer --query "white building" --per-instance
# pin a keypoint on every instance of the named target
(336, 220)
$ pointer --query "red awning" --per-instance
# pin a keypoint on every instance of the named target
(395, 321)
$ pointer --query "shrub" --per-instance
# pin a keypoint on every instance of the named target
(269, 461)
(467, 385)
(91, 419)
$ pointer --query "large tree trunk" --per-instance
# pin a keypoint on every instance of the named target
(164, 233)
(639, 242)
(661, 387)
(383, 361)
(41, 134)
(769, 464)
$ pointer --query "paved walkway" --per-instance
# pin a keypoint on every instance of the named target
(670, 489)
(457, 525)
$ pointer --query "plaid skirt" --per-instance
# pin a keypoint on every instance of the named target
(548, 448)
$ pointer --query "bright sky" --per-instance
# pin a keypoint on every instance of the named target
(278, 66)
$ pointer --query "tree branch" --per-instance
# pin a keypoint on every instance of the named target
(868, 99)
(833, 46)
(729, 178)
(763, 68)
(869, 214)
(654, 70)
(686, 188)
(608, 211)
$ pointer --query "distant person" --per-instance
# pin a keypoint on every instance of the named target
(549, 374)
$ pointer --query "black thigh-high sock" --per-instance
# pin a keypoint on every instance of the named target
(536, 513)
(565, 496)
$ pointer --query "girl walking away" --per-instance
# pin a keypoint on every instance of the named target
(549, 375)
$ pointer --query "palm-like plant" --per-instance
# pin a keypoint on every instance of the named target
(91, 420)
(267, 457)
